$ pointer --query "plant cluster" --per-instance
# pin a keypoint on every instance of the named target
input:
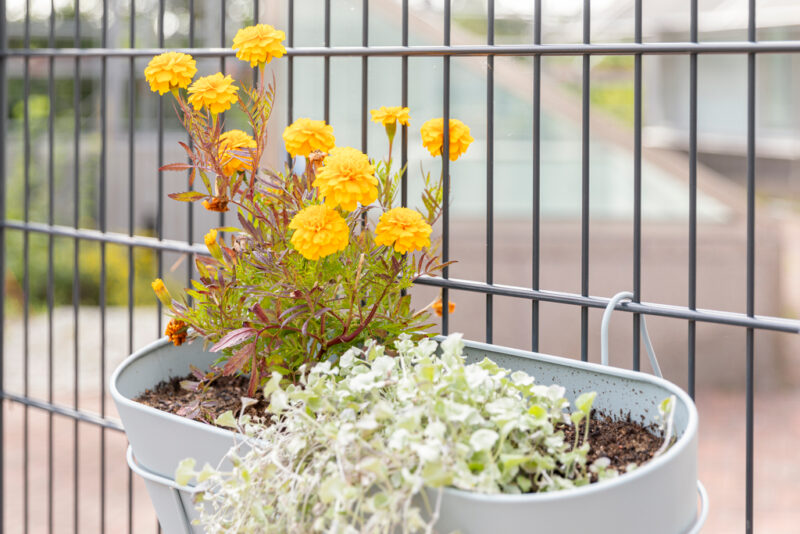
(351, 448)
(321, 259)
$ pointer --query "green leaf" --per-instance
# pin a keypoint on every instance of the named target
(584, 402)
(185, 472)
(188, 196)
(226, 419)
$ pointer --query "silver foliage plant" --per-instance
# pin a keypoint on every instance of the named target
(368, 445)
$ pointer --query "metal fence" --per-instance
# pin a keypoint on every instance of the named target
(29, 225)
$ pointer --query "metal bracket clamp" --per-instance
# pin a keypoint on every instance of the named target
(616, 299)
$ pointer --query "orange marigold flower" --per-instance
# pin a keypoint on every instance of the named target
(304, 136)
(438, 307)
(170, 70)
(347, 178)
(233, 146)
(259, 44)
(319, 232)
(176, 331)
(403, 228)
(390, 115)
(215, 93)
(216, 204)
(433, 137)
(161, 292)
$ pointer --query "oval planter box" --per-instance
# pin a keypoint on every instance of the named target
(658, 498)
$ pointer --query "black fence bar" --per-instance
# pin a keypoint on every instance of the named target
(364, 73)
(160, 157)
(289, 66)
(102, 296)
(446, 170)
(3, 129)
(51, 99)
(79, 415)
(601, 49)
(637, 181)
(489, 170)
(751, 266)
(757, 322)
(76, 279)
(326, 76)
(132, 202)
(404, 103)
(26, 278)
(536, 201)
(585, 165)
(692, 327)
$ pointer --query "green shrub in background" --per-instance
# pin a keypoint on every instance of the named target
(116, 291)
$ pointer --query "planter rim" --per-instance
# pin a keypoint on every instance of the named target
(680, 444)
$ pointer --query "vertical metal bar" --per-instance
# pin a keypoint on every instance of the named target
(489, 169)
(364, 73)
(637, 181)
(326, 91)
(51, 99)
(223, 18)
(446, 169)
(3, 126)
(189, 186)
(585, 185)
(751, 258)
(404, 103)
(536, 149)
(102, 291)
(76, 287)
(160, 176)
(692, 201)
(131, 170)
(131, 207)
(26, 278)
(290, 68)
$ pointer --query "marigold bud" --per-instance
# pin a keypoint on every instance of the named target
(161, 292)
(212, 244)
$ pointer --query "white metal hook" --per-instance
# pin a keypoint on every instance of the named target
(616, 299)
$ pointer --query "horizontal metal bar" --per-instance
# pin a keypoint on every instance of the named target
(66, 411)
(106, 237)
(663, 310)
(728, 47)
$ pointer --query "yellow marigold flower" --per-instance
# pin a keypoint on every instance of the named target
(170, 70)
(319, 232)
(347, 178)
(161, 292)
(233, 146)
(211, 243)
(390, 115)
(176, 331)
(304, 136)
(215, 93)
(438, 307)
(259, 44)
(433, 137)
(403, 228)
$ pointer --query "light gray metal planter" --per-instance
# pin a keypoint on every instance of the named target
(659, 498)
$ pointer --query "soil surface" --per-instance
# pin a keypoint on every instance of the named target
(224, 394)
(622, 441)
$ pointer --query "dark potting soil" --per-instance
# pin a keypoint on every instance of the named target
(224, 394)
(621, 440)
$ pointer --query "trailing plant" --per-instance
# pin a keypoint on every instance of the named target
(351, 447)
(321, 259)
